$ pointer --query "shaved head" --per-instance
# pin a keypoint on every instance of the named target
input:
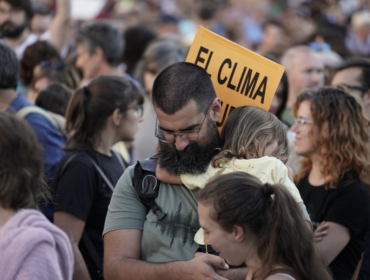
(304, 69)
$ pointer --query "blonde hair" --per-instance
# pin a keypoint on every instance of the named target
(247, 133)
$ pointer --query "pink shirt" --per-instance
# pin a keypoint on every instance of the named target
(32, 248)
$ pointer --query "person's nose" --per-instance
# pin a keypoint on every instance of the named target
(295, 128)
(180, 143)
(316, 76)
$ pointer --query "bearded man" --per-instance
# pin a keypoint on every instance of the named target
(139, 245)
(15, 18)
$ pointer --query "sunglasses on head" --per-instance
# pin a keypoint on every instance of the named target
(59, 65)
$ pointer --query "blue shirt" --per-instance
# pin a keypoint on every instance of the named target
(50, 139)
(48, 135)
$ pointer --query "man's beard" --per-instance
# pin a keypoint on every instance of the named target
(9, 30)
(194, 159)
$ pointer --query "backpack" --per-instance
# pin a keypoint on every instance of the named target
(25, 111)
(147, 186)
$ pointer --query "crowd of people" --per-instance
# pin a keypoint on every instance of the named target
(112, 165)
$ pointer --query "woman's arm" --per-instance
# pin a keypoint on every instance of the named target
(73, 227)
(334, 242)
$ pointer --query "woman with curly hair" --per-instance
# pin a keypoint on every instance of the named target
(332, 133)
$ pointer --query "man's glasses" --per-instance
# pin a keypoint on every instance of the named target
(189, 135)
(363, 90)
(59, 65)
(139, 109)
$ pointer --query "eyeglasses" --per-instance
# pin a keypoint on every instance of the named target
(300, 122)
(363, 90)
(139, 109)
(190, 135)
(59, 65)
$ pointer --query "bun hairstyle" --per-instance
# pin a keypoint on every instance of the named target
(246, 134)
(283, 238)
(90, 107)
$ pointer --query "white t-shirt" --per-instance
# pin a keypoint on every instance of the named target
(31, 39)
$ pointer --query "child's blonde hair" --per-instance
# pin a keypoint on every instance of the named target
(246, 134)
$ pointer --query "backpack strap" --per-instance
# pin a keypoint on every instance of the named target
(120, 159)
(25, 111)
(105, 178)
(93, 253)
(147, 186)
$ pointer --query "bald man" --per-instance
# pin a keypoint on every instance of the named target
(304, 69)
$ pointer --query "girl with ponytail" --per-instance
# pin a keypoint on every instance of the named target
(99, 115)
(261, 225)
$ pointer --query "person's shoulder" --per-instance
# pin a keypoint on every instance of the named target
(280, 277)
(268, 162)
(31, 225)
(353, 188)
(127, 178)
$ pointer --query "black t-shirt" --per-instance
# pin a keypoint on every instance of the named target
(347, 205)
(81, 191)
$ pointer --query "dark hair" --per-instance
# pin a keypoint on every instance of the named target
(362, 63)
(54, 98)
(206, 12)
(33, 55)
(272, 22)
(179, 83)
(58, 72)
(343, 140)
(285, 84)
(90, 106)
(25, 5)
(21, 165)
(105, 36)
(282, 237)
(137, 38)
(8, 67)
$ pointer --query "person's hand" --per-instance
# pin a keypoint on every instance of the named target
(204, 266)
(320, 232)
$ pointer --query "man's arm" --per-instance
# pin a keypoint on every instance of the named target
(122, 261)
(59, 25)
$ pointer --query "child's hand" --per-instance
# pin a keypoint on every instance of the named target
(165, 177)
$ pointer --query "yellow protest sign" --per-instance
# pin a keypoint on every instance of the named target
(239, 76)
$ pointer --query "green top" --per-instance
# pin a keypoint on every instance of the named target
(287, 116)
(172, 239)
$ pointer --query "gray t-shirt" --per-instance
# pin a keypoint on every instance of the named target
(172, 239)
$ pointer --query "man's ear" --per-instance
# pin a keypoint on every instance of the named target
(99, 54)
(116, 117)
(366, 99)
(238, 233)
(215, 109)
